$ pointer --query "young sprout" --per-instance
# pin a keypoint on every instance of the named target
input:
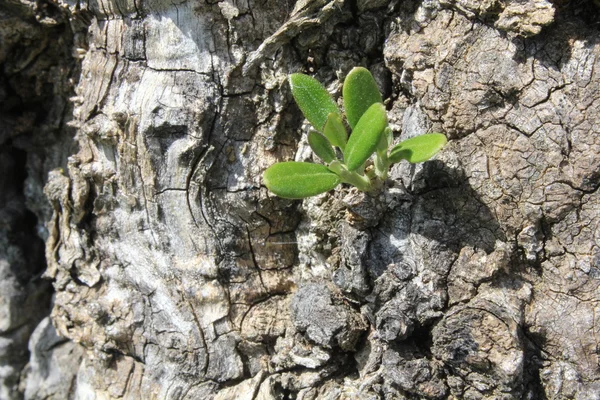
(370, 136)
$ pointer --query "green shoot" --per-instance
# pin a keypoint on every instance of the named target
(370, 136)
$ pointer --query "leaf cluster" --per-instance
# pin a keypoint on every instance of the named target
(347, 157)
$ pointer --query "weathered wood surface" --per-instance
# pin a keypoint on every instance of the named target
(178, 276)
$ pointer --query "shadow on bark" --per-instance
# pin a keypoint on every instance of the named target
(443, 208)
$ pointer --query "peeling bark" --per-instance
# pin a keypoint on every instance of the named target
(177, 275)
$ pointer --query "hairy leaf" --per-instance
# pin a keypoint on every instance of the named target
(335, 131)
(360, 92)
(418, 149)
(297, 180)
(313, 99)
(321, 146)
(365, 136)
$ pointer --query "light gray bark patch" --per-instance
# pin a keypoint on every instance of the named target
(413, 373)
(472, 268)
(364, 210)
(391, 322)
(306, 15)
(325, 322)
(522, 17)
(266, 321)
(351, 276)
(224, 361)
(53, 365)
(526, 18)
(477, 345)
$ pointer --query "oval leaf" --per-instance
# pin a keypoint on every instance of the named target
(321, 146)
(297, 180)
(418, 149)
(360, 92)
(365, 137)
(313, 99)
(335, 131)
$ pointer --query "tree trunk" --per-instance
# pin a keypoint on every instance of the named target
(177, 275)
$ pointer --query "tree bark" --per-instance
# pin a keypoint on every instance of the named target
(177, 275)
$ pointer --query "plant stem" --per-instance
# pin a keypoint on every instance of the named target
(382, 163)
(361, 182)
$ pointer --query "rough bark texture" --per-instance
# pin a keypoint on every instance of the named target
(37, 76)
(178, 276)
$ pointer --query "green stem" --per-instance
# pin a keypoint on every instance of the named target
(382, 163)
(361, 182)
(370, 173)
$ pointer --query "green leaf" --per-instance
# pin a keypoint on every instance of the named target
(297, 180)
(321, 146)
(335, 131)
(418, 149)
(360, 92)
(313, 99)
(365, 136)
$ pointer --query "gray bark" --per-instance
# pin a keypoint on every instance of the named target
(178, 276)
(37, 75)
